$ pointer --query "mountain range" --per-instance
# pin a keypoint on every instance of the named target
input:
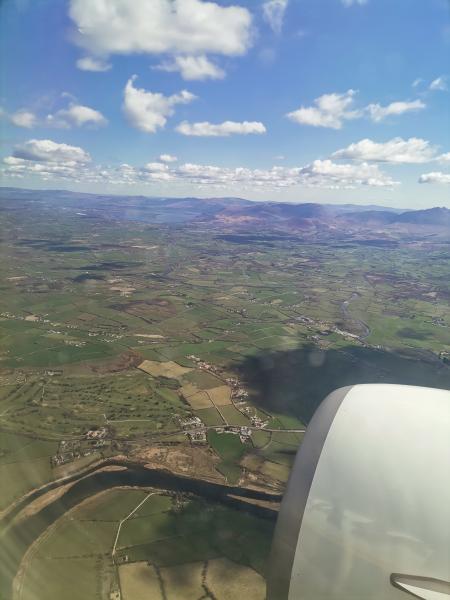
(232, 213)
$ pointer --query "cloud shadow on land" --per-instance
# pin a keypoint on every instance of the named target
(294, 382)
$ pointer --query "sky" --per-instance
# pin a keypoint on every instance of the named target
(286, 100)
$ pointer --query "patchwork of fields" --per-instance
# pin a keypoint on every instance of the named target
(201, 354)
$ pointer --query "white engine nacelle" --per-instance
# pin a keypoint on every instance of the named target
(366, 514)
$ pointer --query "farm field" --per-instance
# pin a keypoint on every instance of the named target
(157, 553)
(190, 351)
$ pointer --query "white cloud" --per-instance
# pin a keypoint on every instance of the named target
(149, 111)
(167, 158)
(397, 150)
(158, 171)
(330, 110)
(417, 82)
(346, 175)
(76, 115)
(322, 174)
(435, 177)
(444, 158)
(193, 68)
(220, 129)
(48, 160)
(23, 118)
(439, 84)
(96, 65)
(175, 27)
(378, 113)
(273, 13)
(156, 167)
(49, 151)
(351, 2)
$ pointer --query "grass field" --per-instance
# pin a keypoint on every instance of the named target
(230, 449)
(176, 539)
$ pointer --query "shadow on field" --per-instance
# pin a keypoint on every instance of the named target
(294, 382)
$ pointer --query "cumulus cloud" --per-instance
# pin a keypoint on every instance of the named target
(378, 113)
(224, 129)
(167, 158)
(325, 174)
(158, 171)
(351, 2)
(347, 175)
(76, 115)
(397, 150)
(330, 110)
(48, 160)
(273, 13)
(435, 177)
(444, 158)
(174, 27)
(148, 111)
(193, 68)
(23, 118)
(96, 65)
(439, 84)
(49, 151)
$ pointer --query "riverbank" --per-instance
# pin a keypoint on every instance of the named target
(24, 525)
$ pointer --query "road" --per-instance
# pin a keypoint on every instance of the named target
(126, 519)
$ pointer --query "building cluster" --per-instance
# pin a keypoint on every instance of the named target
(190, 421)
(237, 392)
(198, 437)
(97, 434)
(70, 450)
(242, 431)
(201, 364)
(75, 343)
(198, 434)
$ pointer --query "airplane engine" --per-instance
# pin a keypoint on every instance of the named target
(366, 513)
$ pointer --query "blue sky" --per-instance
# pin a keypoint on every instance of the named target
(293, 100)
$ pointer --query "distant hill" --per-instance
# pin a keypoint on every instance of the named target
(431, 216)
(233, 212)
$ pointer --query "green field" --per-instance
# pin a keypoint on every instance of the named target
(230, 449)
(165, 532)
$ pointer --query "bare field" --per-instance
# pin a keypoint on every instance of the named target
(200, 400)
(163, 369)
(228, 581)
(220, 396)
(183, 459)
(139, 580)
(183, 581)
(224, 578)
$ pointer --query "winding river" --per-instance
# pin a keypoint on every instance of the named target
(16, 538)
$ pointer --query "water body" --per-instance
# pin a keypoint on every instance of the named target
(15, 539)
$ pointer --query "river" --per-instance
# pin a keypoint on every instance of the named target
(16, 538)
